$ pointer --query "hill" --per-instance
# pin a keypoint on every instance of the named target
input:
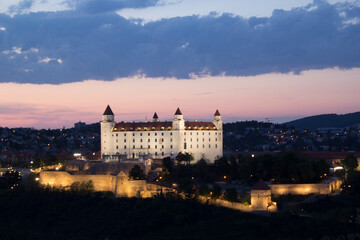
(62, 215)
(326, 121)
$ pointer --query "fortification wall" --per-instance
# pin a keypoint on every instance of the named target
(304, 189)
(119, 185)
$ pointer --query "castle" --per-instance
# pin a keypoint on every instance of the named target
(160, 139)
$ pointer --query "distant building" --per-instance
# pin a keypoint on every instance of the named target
(79, 124)
(160, 139)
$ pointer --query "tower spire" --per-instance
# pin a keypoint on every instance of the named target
(178, 112)
(108, 111)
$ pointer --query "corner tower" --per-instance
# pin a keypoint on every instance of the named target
(178, 122)
(217, 120)
(107, 125)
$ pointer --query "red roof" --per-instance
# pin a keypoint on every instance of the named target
(260, 185)
(155, 115)
(217, 113)
(108, 111)
(178, 112)
(159, 126)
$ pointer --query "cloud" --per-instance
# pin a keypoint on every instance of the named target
(47, 60)
(106, 46)
(104, 6)
(21, 7)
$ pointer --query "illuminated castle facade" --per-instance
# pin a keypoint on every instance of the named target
(160, 139)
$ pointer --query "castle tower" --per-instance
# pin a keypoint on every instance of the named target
(260, 196)
(178, 122)
(107, 125)
(156, 118)
(217, 120)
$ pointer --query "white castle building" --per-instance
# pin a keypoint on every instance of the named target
(160, 138)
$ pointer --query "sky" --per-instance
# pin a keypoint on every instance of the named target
(63, 61)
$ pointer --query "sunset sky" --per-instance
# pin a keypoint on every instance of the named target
(64, 61)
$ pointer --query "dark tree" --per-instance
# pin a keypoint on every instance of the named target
(168, 164)
(12, 178)
(215, 191)
(136, 173)
(185, 158)
(350, 163)
(231, 195)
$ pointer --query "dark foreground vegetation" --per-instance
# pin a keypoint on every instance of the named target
(45, 214)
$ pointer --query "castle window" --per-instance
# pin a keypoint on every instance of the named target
(190, 133)
(203, 145)
(140, 140)
(215, 139)
(184, 145)
(141, 146)
(162, 153)
(191, 146)
(190, 139)
(162, 134)
(215, 145)
(209, 133)
(209, 139)
(155, 146)
(133, 146)
(184, 133)
(155, 153)
(117, 134)
(149, 146)
(197, 139)
(148, 134)
(170, 134)
(203, 139)
(155, 134)
(209, 146)
(133, 140)
(170, 139)
(162, 146)
(171, 146)
(117, 147)
(184, 139)
(124, 146)
(124, 140)
(140, 134)
(197, 133)
(117, 140)
(197, 145)
(148, 140)
(203, 133)
(133, 134)
(155, 139)
(124, 134)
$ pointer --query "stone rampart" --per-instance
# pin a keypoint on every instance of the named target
(120, 185)
(303, 189)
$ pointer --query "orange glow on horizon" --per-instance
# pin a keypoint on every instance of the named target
(137, 98)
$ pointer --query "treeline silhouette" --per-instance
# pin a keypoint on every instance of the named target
(48, 214)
